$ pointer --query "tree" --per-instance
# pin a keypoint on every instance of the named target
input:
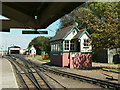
(101, 20)
(41, 43)
(79, 15)
(105, 26)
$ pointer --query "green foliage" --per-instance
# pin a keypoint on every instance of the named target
(105, 26)
(41, 43)
(101, 20)
(40, 57)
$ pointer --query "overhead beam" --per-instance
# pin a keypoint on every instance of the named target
(5, 30)
(16, 15)
(7, 24)
(34, 32)
(12, 24)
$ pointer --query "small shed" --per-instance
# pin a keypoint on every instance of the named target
(107, 56)
(32, 51)
(15, 50)
(70, 47)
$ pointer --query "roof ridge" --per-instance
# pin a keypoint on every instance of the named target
(66, 27)
(82, 29)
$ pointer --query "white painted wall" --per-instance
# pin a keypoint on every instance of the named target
(21, 51)
(85, 36)
(33, 51)
(9, 51)
(71, 35)
(111, 53)
(14, 48)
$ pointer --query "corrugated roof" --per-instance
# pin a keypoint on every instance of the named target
(61, 33)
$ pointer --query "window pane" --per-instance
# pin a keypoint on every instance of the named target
(86, 42)
(66, 45)
(72, 45)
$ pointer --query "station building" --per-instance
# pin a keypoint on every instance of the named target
(15, 50)
(70, 47)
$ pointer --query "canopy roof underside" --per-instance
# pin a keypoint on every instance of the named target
(34, 15)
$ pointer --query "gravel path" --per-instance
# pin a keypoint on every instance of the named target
(105, 65)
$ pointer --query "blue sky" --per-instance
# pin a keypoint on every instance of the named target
(15, 36)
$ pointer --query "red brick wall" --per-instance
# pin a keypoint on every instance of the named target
(65, 59)
(81, 60)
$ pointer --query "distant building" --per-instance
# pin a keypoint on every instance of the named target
(70, 47)
(15, 50)
(25, 51)
(21, 51)
(32, 51)
(107, 56)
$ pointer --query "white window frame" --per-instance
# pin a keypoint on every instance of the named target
(72, 43)
(67, 43)
(55, 46)
(86, 42)
(61, 45)
(51, 47)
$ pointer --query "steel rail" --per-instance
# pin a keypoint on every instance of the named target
(29, 70)
(40, 75)
(27, 62)
(111, 71)
(19, 74)
(50, 77)
(55, 80)
(27, 75)
(37, 71)
(88, 79)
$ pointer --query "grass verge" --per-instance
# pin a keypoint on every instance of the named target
(39, 57)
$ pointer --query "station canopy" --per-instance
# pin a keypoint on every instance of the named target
(34, 15)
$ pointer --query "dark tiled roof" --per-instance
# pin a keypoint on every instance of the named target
(78, 34)
(61, 33)
(14, 47)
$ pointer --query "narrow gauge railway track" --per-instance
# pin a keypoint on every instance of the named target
(37, 70)
(31, 80)
(21, 75)
(30, 84)
(102, 83)
(37, 76)
(32, 68)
